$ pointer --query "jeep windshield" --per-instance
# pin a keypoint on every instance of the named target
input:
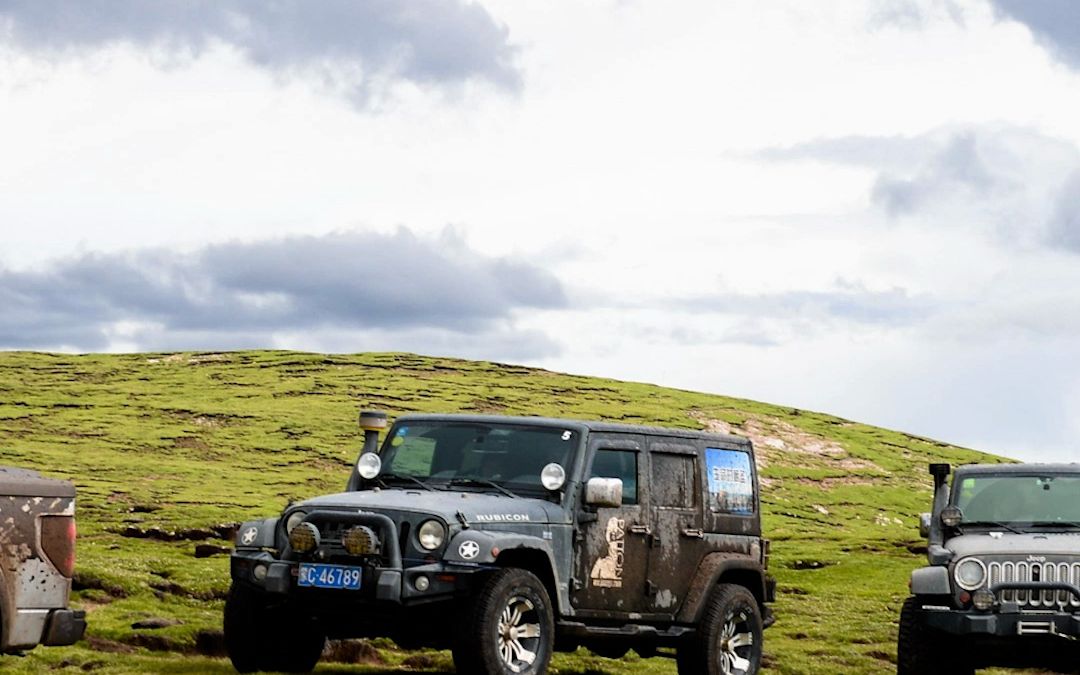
(481, 456)
(1029, 501)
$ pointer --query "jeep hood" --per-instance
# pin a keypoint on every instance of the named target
(479, 508)
(1037, 543)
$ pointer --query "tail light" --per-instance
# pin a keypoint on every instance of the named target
(58, 542)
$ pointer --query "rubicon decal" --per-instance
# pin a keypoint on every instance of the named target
(502, 517)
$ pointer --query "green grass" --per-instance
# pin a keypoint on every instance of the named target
(195, 440)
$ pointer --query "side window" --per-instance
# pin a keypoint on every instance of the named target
(673, 481)
(618, 464)
(731, 482)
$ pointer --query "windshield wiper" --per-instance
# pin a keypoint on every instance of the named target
(988, 523)
(481, 482)
(1055, 523)
(394, 476)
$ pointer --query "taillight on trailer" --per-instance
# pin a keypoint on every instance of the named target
(58, 542)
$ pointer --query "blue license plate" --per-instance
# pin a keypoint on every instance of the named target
(329, 576)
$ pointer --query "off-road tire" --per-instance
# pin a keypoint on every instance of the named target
(509, 617)
(261, 637)
(728, 641)
(921, 650)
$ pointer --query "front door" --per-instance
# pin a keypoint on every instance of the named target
(612, 543)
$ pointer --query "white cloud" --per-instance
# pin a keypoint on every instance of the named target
(744, 156)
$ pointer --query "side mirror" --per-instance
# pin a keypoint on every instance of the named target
(924, 524)
(604, 492)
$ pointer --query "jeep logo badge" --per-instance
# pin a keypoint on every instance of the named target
(1036, 558)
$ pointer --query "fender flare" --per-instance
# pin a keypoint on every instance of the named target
(489, 545)
(709, 570)
(931, 580)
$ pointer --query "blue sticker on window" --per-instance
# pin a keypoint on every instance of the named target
(731, 482)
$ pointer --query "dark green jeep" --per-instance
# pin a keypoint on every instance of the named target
(505, 538)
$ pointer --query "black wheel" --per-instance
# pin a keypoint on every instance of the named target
(262, 637)
(508, 627)
(729, 637)
(920, 650)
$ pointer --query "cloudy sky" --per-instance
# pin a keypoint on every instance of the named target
(870, 208)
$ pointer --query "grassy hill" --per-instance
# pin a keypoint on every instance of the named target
(168, 449)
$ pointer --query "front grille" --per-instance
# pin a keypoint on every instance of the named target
(1021, 570)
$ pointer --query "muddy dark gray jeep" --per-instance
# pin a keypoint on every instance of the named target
(37, 559)
(505, 538)
(1003, 583)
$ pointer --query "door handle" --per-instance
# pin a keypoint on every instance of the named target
(640, 529)
(693, 534)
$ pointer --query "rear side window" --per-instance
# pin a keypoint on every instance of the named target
(620, 464)
(731, 481)
(673, 480)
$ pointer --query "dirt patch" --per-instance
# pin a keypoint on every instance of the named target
(155, 622)
(209, 550)
(422, 661)
(164, 587)
(155, 643)
(772, 437)
(832, 482)
(190, 443)
(352, 651)
(224, 531)
(100, 644)
(809, 564)
(82, 581)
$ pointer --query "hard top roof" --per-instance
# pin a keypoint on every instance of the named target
(580, 426)
(26, 483)
(1018, 469)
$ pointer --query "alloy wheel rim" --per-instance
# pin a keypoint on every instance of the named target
(736, 645)
(519, 634)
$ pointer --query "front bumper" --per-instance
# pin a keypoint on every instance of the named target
(380, 584)
(1003, 623)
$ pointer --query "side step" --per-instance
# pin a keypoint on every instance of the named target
(578, 629)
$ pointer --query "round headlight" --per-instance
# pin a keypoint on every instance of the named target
(970, 574)
(368, 465)
(304, 538)
(951, 516)
(431, 534)
(553, 476)
(294, 519)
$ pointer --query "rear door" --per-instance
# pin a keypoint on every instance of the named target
(675, 505)
(612, 543)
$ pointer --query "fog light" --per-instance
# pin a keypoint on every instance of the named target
(259, 573)
(304, 538)
(360, 540)
(421, 583)
(983, 599)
